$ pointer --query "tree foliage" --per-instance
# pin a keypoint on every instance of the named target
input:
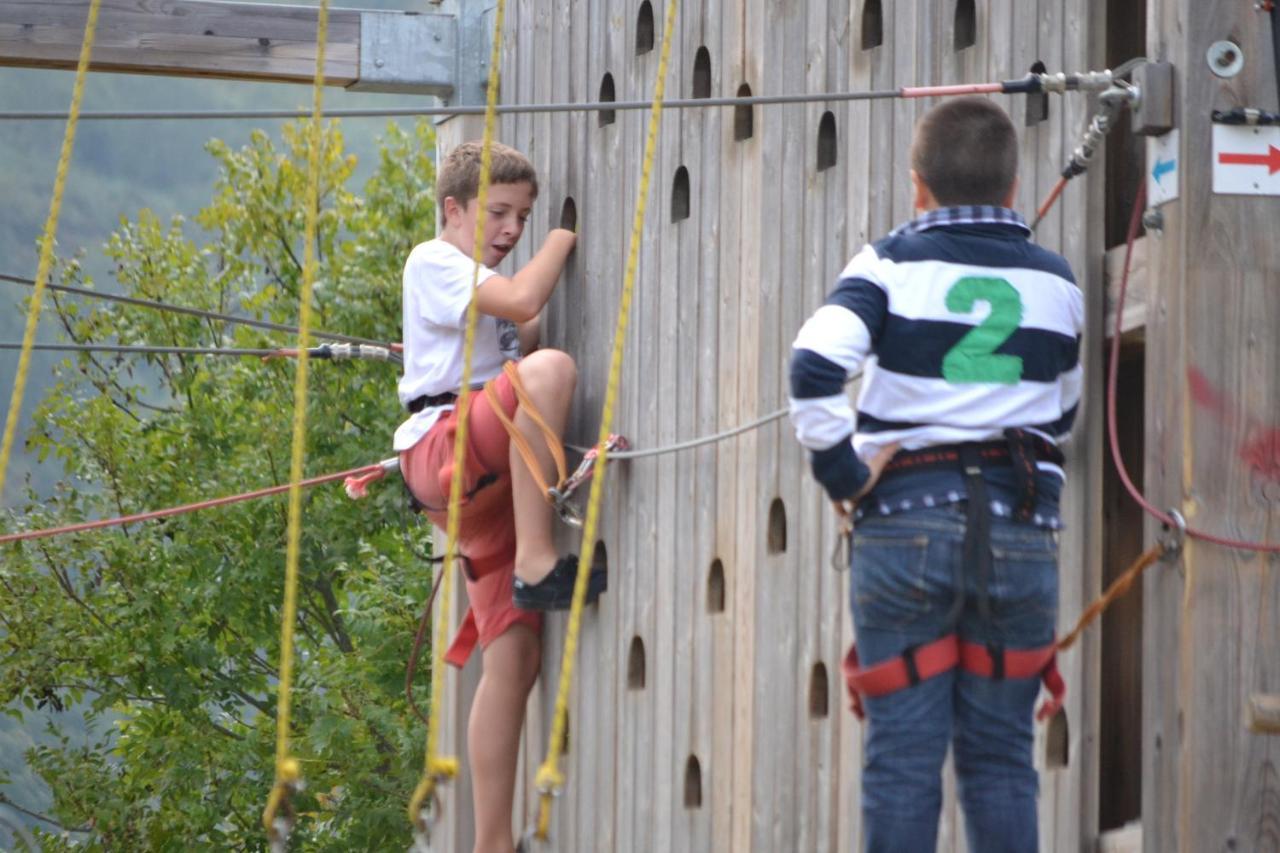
(166, 634)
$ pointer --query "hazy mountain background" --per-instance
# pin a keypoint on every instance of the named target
(119, 168)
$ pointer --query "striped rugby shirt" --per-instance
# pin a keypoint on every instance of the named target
(963, 327)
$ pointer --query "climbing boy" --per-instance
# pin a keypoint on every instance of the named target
(968, 335)
(512, 567)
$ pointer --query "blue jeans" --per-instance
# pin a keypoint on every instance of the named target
(904, 577)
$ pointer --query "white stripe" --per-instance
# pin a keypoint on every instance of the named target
(838, 334)
(1072, 383)
(894, 396)
(870, 266)
(918, 291)
(822, 421)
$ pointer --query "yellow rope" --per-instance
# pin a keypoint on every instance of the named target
(287, 772)
(47, 241)
(437, 768)
(550, 779)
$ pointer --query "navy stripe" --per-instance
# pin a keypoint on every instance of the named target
(814, 375)
(839, 469)
(865, 299)
(1001, 246)
(917, 348)
(869, 424)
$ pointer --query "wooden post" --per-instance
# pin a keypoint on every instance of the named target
(1214, 405)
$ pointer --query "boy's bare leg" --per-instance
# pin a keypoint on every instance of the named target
(493, 733)
(549, 376)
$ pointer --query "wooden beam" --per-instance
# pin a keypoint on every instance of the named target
(235, 41)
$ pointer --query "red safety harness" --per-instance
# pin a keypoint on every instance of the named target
(1020, 450)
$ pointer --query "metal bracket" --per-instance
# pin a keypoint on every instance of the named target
(407, 52)
(475, 45)
(445, 53)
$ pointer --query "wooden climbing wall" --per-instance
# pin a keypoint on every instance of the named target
(708, 712)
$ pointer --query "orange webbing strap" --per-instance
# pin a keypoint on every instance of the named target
(517, 437)
(1118, 588)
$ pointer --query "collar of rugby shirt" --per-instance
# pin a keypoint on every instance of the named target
(966, 214)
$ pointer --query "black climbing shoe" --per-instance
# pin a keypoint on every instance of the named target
(555, 591)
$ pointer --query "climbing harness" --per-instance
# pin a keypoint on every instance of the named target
(45, 265)
(1020, 450)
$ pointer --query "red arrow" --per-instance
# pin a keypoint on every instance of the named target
(1271, 159)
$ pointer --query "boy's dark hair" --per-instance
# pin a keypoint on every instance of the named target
(966, 152)
(459, 175)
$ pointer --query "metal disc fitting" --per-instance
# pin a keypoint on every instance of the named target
(1225, 58)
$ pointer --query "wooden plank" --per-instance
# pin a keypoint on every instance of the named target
(183, 38)
(1073, 791)
(725, 760)
(752, 310)
(666, 282)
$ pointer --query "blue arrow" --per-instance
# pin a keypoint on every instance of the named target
(1163, 167)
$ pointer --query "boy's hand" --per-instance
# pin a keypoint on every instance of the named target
(877, 464)
(563, 239)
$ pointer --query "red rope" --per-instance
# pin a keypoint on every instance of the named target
(180, 510)
(1112, 370)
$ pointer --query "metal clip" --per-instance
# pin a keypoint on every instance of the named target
(423, 826)
(1173, 538)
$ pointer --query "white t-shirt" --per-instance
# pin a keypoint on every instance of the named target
(437, 291)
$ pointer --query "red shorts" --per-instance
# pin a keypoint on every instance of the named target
(486, 533)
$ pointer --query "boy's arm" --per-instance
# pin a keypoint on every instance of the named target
(830, 349)
(530, 333)
(522, 296)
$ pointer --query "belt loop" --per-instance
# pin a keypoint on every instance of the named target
(996, 651)
(909, 660)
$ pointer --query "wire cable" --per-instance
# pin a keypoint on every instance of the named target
(182, 309)
(1033, 83)
(169, 512)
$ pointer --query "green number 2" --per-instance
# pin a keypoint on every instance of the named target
(974, 357)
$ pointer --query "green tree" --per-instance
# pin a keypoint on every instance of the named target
(167, 633)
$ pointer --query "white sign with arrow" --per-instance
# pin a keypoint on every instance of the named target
(1163, 174)
(1246, 160)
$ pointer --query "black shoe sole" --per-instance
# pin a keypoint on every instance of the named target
(555, 591)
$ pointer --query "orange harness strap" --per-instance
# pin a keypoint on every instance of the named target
(517, 437)
(946, 653)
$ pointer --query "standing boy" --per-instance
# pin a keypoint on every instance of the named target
(505, 532)
(968, 335)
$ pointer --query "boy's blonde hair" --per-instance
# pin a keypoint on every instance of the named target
(459, 175)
